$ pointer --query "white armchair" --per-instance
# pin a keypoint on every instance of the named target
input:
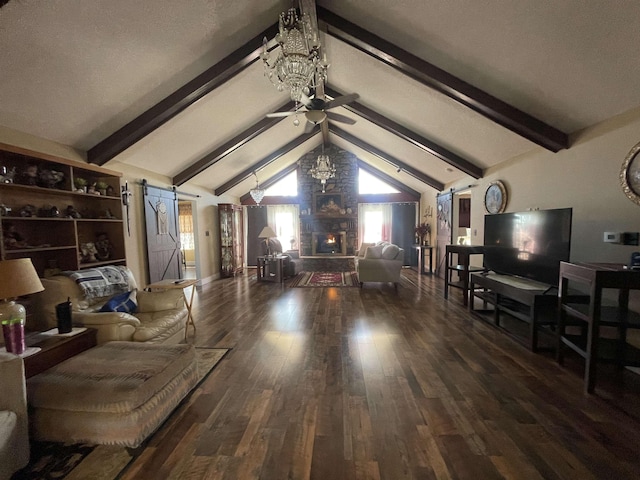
(379, 263)
(14, 427)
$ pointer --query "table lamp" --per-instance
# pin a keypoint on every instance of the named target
(17, 278)
(267, 233)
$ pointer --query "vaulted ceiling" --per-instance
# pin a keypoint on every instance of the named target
(447, 89)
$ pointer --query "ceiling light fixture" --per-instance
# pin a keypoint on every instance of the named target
(323, 170)
(257, 193)
(297, 66)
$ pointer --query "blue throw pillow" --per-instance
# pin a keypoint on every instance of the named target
(123, 302)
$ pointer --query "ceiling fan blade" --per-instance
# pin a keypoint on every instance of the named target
(336, 102)
(336, 117)
(304, 100)
(280, 114)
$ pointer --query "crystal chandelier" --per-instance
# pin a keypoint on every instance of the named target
(323, 170)
(257, 193)
(297, 66)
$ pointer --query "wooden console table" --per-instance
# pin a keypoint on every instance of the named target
(55, 348)
(528, 301)
(589, 309)
(462, 267)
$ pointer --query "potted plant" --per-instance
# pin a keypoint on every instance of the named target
(102, 187)
(423, 231)
(80, 184)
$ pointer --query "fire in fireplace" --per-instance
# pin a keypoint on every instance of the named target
(329, 243)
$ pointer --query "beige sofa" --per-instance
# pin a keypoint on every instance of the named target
(379, 262)
(160, 316)
(14, 431)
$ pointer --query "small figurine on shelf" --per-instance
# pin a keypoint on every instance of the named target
(13, 239)
(7, 176)
(30, 175)
(50, 178)
(28, 211)
(104, 249)
(49, 211)
(88, 252)
(71, 212)
(92, 189)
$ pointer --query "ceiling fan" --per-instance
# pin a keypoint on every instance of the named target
(315, 110)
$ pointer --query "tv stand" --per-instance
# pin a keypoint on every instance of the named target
(526, 300)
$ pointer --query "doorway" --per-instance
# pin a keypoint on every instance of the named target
(187, 226)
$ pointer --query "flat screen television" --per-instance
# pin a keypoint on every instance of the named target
(528, 244)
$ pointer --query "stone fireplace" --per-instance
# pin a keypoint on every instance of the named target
(343, 221)
(328, 243)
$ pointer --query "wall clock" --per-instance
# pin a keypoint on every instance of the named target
(495, 197)
(630, 175)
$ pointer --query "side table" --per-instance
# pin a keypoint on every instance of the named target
(170, 284)
(423, 251)
(271, 268)
(462, 267)
(589, 309)
(56, 348)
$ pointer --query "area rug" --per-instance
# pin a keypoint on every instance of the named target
(325, 279)
(77, 461)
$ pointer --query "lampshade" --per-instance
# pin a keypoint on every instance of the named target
(18, 277)
(267, 232)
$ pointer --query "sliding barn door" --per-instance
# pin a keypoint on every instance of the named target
(163, 236)
(444, 238)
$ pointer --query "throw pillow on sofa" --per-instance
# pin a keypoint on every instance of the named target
(374, 252)
(159, 301)
(390, 252)
(123, 302)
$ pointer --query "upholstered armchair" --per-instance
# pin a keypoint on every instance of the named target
(159, 317)
(381, 262)
(14, 428)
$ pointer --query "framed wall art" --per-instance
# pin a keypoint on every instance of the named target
(630, 175)
(495, 197)
(327, 203)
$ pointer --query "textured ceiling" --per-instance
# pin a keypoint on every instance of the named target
(75, 72)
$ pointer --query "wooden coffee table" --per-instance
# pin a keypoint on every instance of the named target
(55, 348)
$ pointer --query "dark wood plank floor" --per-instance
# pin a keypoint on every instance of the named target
(352, 383)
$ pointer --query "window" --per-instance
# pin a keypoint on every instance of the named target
(284, 221)
(376, 224)
(368, 183)
(286, 187)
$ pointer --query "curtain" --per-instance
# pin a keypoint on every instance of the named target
(285, 219)
(374, 222)
(185, 221)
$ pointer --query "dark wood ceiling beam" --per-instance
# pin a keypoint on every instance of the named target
(182, 98)
(415, 173)
(478, 100)
(271, 181)
(388, 179)
(299, 140)
(230, 146)
(410, 136)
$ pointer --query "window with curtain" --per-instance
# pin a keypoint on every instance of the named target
(284, 221)
(375, 224)
(185, 220)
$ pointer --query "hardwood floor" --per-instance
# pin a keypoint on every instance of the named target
(353, 383)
